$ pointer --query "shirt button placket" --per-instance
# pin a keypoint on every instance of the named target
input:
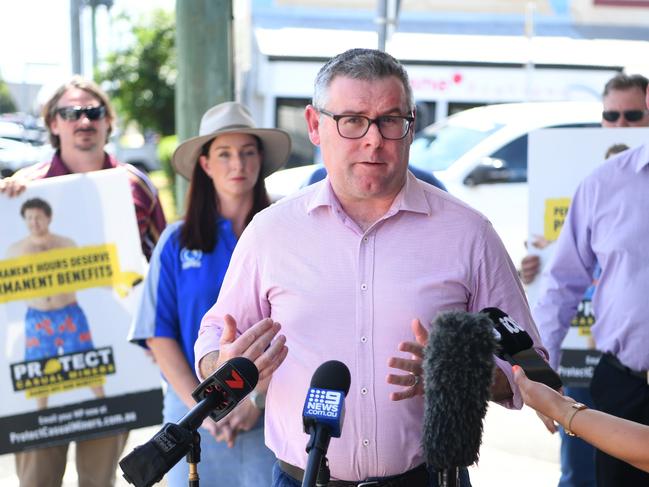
(365, 275)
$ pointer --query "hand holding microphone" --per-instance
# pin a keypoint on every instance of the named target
(517, 348)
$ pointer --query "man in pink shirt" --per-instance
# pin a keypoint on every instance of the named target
(355, 268)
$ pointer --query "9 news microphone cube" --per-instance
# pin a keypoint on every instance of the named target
(326, 407)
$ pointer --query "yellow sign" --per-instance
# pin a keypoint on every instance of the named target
(556, 210)
(63, 270)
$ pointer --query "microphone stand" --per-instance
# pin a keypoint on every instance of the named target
(317, 462)
(193, 458)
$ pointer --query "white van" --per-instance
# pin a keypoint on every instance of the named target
(481, 156)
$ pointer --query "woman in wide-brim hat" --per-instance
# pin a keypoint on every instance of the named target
(226, 165)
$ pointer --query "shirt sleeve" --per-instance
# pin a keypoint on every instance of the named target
(496, 284)
(148, 210)
(157, 221)
(240, 296)
(157, 313)
(567, 276)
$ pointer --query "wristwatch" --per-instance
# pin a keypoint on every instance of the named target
(258, 399)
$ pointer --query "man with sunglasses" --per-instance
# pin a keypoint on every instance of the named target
(624, 101)
(355, 268)
(79, 118)
(606, 227)
(624, 105)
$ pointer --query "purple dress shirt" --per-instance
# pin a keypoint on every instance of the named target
(608, 222)
(344, 294)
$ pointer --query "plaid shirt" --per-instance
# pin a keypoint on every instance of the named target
(150, 218)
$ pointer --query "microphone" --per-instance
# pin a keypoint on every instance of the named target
(216, 396)
(323, 416)
(458, 372)
(516, 347)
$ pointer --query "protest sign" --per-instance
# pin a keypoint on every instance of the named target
(70, 268)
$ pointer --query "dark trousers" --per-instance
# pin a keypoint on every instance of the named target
(619, 393)
(577, 456)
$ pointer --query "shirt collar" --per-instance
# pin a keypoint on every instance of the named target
(642, 158)
(59, 168)
(411, 198)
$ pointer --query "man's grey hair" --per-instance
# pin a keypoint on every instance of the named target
(360, 64)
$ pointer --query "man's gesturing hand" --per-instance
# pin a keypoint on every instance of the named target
(413, 380)
(259, 343)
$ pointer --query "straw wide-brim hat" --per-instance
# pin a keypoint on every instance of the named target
(232, 117)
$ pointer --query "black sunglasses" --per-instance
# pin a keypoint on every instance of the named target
(74, 113)
(629, 115)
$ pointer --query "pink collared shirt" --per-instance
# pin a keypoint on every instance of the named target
(344, 294)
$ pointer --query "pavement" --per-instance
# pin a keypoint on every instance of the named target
(516, 450)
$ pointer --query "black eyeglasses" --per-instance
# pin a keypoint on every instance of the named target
(629, 115)
(391, 127)
(74, 113)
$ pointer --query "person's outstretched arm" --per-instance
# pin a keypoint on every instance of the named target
(617, 437)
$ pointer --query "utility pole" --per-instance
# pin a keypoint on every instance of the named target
(530, 7)
(387, 16)
(75, 36)
(204, 44)
(93, 26)
(75, 31)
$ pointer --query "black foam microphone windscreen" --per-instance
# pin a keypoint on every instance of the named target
(458, 372)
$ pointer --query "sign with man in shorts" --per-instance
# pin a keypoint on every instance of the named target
(68, 288)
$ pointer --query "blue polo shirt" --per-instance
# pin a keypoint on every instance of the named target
(180, 287)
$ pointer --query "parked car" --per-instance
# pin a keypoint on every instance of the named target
(481, 156)
(287, 181)
(15, 155)
(22, 143)
(133, 148)
(22, 128)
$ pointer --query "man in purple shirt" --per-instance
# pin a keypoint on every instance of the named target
(623, 103)
(351, 267)
(607, 224)
(79, 118)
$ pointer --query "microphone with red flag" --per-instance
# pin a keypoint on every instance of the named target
(216, 396)
(228, 385)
